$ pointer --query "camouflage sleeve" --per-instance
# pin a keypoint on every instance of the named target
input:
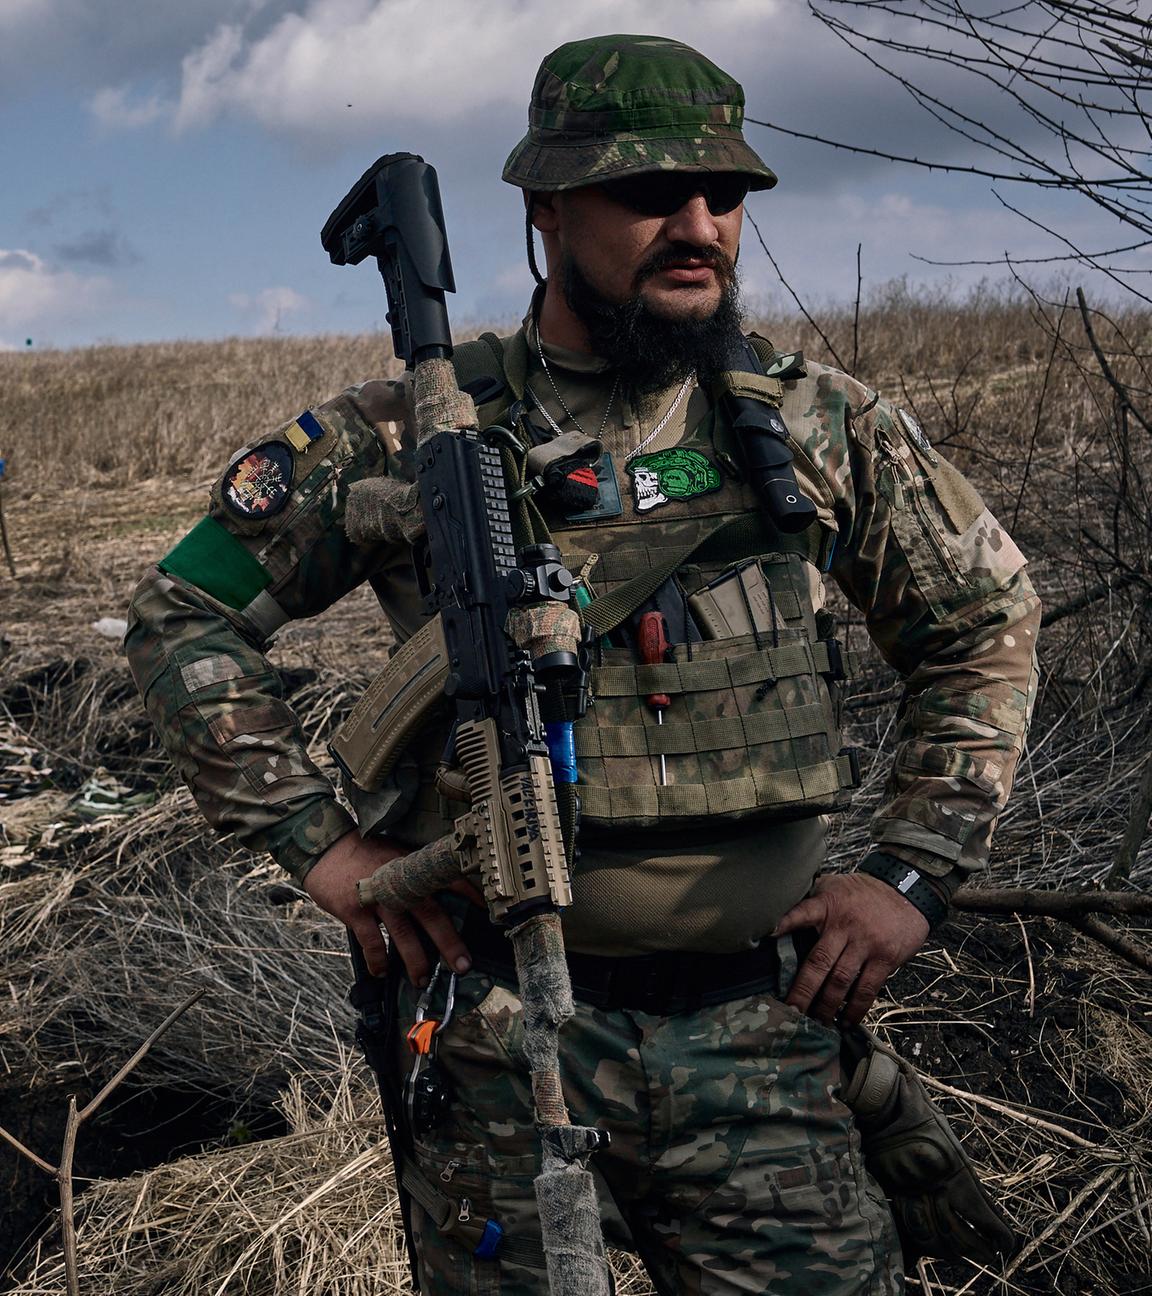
(947, 602)
(272, 548)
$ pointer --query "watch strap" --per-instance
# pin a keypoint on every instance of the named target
(910, 882)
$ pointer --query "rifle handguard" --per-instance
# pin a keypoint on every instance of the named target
(521, 860)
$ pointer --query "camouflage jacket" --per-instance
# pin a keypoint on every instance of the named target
(941, 586)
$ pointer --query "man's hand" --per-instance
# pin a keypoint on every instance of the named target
(867, 930)
(331, 882)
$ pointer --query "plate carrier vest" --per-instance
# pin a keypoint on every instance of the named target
(753, 726)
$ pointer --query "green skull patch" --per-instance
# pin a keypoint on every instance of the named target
(675, 474)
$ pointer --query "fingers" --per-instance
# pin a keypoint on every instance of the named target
(812, 912)
(444, 935)
(822, 959)
(406, 942)
(868, 986)
(367, 931)
(842, 984)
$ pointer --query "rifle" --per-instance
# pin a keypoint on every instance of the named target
(501, 630)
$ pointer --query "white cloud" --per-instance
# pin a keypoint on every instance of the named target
(268, 308)
(115, 108)
(33, 296)
(344, 62)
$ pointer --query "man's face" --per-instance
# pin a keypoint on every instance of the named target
(678, 265)
(656, 294)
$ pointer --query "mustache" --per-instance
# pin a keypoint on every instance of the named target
(712, 256)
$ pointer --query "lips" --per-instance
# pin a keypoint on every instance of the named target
(688, 274)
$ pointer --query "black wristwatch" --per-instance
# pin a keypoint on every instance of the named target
(909, 882)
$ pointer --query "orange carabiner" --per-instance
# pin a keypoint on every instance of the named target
(420, 1036)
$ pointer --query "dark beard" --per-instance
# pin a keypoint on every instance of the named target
(653, 352)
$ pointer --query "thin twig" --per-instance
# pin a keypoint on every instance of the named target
(1105, 368)
(67, 1198)
(1033, 1244)
(137, 1057)
(1132, 1210)
(1081, 601)
(1031, 968)
(27, 1152)
(1051, 904)
(803, 309)
(1137, 829)
(63, 1172)
(1117, 942)
(856, 316)
(1012, 1112)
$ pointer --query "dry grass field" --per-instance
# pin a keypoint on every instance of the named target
(245, 1152)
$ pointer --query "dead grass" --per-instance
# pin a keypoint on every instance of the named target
(104, 926)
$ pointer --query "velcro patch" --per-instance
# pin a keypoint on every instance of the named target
(206, 671)
(258, 485)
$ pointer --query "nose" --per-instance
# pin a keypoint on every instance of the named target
(693, 224)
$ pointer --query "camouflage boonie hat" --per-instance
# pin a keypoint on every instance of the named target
(616, 106)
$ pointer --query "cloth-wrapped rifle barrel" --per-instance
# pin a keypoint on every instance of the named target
(565, 1190)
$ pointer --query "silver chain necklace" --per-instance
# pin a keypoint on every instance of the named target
(688, 382)
(556, 392)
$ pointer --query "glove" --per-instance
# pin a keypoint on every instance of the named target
(941, 1209)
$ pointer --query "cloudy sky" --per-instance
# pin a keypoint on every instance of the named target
(168, 165)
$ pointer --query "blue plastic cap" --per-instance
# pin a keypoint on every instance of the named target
(562, 750)
(493, 1236)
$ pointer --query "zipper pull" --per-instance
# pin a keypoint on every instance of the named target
(465, 1211)
(895, 467)
(449, 1170)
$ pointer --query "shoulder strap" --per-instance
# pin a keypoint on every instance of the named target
(482, 357)
(499, 360)
(736, 536)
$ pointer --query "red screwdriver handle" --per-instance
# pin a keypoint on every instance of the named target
(652, 641)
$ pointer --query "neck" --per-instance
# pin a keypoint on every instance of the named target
(556, 322)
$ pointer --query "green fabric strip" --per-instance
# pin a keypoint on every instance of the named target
(743, 535)
(212, 559)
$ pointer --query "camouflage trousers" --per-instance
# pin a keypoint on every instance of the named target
(733, 1166)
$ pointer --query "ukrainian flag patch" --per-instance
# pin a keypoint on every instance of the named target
(304, 431)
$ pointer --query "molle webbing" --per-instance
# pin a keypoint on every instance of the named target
(715, 673)
(726, 734)
(796, 788)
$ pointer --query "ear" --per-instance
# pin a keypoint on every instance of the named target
(542, 211)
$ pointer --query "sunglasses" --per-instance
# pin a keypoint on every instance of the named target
(661, 193)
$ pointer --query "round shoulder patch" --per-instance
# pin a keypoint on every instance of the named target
(258, 485)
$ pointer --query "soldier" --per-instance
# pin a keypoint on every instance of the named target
(712, 965)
